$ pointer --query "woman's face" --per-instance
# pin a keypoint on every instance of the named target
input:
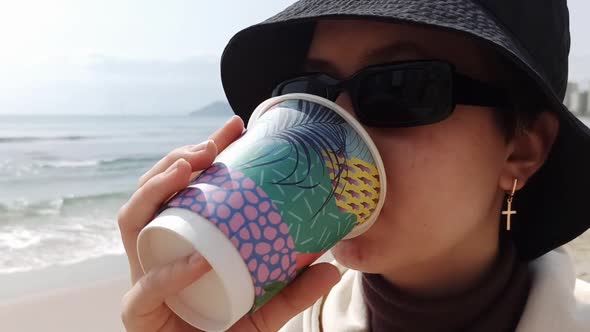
(443, 195)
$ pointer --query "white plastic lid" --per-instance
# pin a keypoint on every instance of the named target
(223, 295)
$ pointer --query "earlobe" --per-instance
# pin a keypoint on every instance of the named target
(529, 150)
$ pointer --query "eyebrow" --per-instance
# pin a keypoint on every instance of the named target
(320, 65)
(395, 51)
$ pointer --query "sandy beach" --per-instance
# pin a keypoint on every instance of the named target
(86, 296)
(91, 308)
(83, 297)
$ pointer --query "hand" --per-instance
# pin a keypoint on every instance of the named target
(143, 307)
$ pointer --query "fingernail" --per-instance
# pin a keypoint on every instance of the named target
(195, 259)
(200, 146)
(211, 145)
(173, 167)
(231, 119)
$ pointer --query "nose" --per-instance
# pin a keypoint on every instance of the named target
(345, 102)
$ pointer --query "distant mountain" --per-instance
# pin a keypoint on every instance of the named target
(218, 108)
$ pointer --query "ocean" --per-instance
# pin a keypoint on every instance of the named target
(63, 179)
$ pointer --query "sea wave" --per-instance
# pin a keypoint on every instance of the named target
(68, 164)
(25, 208)
(61, 231)
(97, 198)
(117, 163)
(29, 248)
(28, 139)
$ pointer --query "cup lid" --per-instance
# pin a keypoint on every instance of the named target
(219, 298)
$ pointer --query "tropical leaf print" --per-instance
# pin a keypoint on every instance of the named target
(304, 196)
(270, 291)
(310, 130)
(291, 188)
(356, 148)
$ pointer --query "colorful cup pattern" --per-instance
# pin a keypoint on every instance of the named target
(293, 186)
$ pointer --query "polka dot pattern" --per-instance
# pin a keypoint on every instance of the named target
(247, 216)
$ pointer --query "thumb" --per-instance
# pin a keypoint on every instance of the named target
(314, 283)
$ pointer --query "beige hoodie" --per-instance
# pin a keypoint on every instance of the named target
(556, 302)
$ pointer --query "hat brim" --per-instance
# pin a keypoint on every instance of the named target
(551, 207)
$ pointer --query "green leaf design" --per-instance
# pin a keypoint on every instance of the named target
(302, 191)
(270, 291)
(356, 147)
(274, 287)
(288, 164)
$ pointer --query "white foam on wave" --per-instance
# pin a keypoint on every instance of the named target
(25, 248)
(9, 168)
(68, 164)
(50, 208)
(30, 169)
(23, 207)
(18, 238)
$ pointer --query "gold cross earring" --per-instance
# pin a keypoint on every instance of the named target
(509, 212)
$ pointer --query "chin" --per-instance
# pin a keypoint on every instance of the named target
(354, 255)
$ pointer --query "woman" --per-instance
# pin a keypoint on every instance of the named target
(493, 149)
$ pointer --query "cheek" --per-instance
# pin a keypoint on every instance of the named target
(448, 169)
(442, 180)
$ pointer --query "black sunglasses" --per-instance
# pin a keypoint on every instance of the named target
(401, 94)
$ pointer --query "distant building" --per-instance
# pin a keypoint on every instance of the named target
(577, 100)
(571, 95)
(584, 103)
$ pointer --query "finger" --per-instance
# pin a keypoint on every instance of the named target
(197, 155)
(224, 136)
(150, 292)
(230, 132)
(144, 203)
(314, 283)
(161, 282)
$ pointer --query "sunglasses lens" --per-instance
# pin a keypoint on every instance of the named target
(318, 86)
(405, 96)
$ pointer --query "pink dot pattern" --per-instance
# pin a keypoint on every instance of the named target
(247, 216)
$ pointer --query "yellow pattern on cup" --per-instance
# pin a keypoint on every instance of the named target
(357, 192)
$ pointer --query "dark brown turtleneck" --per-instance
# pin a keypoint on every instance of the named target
(494, 305)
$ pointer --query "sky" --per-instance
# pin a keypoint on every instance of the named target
(143, 56)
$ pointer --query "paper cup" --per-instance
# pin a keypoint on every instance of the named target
(304, 176)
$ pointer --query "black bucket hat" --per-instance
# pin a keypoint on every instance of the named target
(533, 35)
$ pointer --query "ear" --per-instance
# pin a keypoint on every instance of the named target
(528, 150)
